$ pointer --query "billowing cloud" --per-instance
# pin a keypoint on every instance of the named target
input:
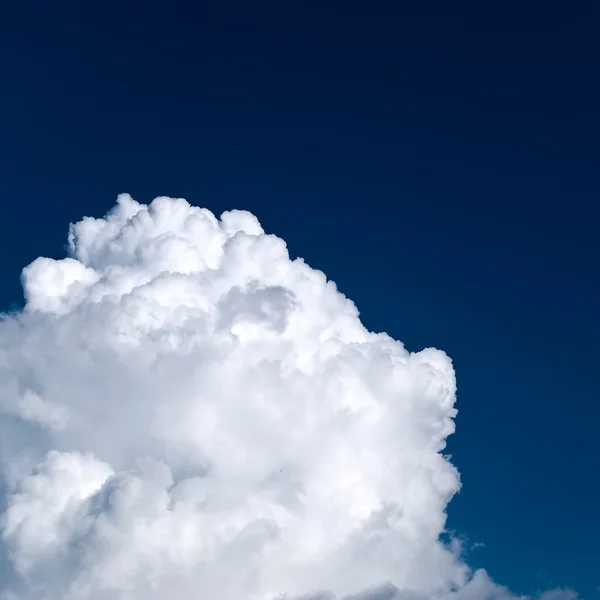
(187, 413)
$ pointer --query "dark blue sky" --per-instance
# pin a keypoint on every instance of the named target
(439, 162)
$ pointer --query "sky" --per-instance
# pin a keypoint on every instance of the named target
(438, 164)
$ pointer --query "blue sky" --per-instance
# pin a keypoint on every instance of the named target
(440, 166)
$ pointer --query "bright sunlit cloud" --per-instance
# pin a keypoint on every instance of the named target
(187, 413)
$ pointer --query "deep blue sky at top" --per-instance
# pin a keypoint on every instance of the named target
(440, 162)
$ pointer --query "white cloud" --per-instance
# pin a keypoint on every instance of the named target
(188, 413)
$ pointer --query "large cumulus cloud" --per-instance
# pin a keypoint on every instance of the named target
(186, 413)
